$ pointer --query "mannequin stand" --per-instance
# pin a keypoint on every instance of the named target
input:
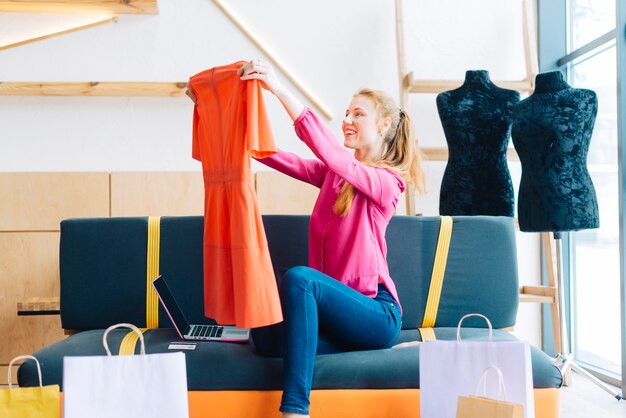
(565, 359)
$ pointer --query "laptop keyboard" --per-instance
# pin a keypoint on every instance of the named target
(207, 331)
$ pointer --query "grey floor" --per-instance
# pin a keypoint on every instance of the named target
(584, 399)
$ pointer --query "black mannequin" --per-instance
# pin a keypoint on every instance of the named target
(476, 120)
(551, 133)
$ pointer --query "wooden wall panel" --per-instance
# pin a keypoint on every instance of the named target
(29, 266)
(280, 194)
(39, 201)
(3, 374)
(157, 193)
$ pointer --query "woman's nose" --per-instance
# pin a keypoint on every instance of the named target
(348, 119)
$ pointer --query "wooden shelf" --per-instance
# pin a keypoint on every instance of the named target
(438, 86)
(93, 88)
(39, 306)
(538, 294)
(441, 153)
(80, 6)
(41, 37)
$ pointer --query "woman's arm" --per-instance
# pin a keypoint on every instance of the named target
(308, 171)
(382, 186)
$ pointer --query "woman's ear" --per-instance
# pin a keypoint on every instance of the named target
(385, 125)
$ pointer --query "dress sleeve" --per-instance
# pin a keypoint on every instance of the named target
(309, 171)
(195, 141)
(382, 186)
(259, 138)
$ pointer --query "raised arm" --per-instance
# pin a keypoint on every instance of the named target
(382, 186)
(259, 70)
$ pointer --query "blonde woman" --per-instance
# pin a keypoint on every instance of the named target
(344, 299)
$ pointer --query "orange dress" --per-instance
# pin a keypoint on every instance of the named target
(229, 126)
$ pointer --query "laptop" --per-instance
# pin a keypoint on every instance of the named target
(195, 332)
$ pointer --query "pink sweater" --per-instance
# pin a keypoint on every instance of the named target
(351, 249)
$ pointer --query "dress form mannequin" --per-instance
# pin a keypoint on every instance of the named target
(551, 133)
(476, 120)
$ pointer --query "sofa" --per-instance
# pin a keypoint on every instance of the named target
(105, 267)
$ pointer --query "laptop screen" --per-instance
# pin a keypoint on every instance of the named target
(170, 305)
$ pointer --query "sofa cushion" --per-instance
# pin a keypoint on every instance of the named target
(103, 267)
(233, 366)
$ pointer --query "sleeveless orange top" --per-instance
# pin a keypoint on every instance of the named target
(229, 126)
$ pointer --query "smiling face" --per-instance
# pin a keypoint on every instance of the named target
(363, 129)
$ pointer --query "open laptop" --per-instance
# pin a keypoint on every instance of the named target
(195, 332)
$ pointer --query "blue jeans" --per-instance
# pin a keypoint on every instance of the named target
(323, 316)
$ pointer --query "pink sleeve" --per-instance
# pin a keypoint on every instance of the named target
(309, 171)
(380, 185)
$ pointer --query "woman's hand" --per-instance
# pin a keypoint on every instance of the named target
(263, 71)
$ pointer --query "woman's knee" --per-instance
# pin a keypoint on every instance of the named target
(298, 276)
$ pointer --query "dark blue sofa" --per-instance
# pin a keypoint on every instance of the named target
(103, 282)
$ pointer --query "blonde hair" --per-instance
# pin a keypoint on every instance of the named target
(399, 152)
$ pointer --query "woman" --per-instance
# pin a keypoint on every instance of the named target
(345, 299)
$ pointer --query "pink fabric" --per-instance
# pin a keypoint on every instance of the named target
(351, 249)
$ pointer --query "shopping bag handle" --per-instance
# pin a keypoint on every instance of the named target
(501, 386)
(131, 326)
(24, 357)
(458, 327)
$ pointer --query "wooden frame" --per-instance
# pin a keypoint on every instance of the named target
(408, 83)
(80, 6)
(95, 88)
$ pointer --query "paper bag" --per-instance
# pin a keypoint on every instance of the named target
(140, 386)
(449, 369)
(34, 402)
(480, 407)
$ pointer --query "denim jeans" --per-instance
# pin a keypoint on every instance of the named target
(323, 316)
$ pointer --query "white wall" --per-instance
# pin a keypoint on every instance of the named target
(333, 47)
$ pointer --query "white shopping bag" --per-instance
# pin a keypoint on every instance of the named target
(139, 386)
(449, 369)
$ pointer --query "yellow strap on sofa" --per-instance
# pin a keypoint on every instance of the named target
(436, 280)
(152, 301)
(428, 334)
(127, 347)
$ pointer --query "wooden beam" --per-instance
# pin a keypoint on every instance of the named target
(438, 86)
(93, 88)
(530, 42)
(98, 22)
(272, 57)
(441, 154)
(404, 93)
(526, 298)
(80, 6)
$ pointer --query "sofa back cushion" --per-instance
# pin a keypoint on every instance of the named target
(103, 267)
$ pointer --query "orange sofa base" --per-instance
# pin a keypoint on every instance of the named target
(338, 403)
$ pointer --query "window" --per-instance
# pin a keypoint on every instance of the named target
(596, 261)
(584, 47)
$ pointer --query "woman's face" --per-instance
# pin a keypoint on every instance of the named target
(362, 129)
